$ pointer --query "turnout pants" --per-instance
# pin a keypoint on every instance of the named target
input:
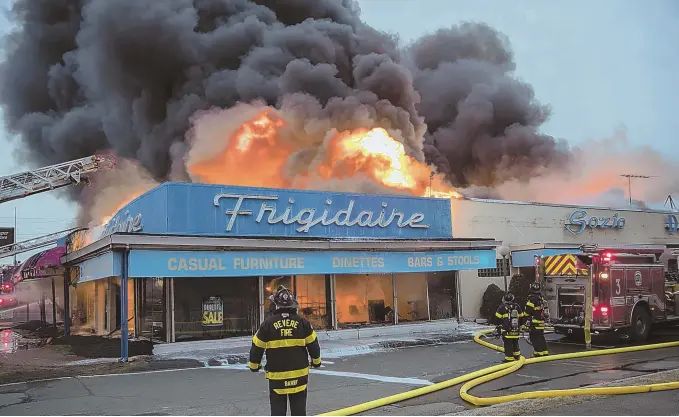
(279, 403)
(512, 351)
(537, 338)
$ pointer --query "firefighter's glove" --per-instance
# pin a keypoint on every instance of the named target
(316, 366)
(255, 369)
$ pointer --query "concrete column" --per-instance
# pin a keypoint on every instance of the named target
(260, 285)
(393, 290)
(67, 302)
(124, 335)
(426, 283)
(333, 302)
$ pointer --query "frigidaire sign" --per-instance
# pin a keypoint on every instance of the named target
(305, 218)
(579, 220)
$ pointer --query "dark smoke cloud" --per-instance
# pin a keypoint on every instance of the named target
(82, 76)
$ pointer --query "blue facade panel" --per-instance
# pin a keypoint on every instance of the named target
(526, 258)
(103, 266)
(191, 264)
(213, 210)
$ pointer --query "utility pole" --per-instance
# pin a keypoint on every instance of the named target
(629, 182)
(15, 232)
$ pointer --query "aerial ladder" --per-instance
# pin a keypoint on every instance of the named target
(52, 177)
(27, 183)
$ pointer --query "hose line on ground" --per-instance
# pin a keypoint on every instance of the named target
(482, 376)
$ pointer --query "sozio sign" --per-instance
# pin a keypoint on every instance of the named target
(578, 221)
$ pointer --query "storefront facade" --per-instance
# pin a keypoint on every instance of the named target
(530, 229)
(193, 261)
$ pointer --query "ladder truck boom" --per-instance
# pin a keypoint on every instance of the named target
(48, 178)
(35, 243)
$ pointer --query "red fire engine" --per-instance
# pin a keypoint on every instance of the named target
(626, 288)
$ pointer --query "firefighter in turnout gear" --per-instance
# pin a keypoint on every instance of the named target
(288, 340)
(508, 317)
(535, 319)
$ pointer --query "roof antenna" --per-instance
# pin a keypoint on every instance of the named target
(629, 182)
(670, 201)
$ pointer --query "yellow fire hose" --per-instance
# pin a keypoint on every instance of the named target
(482, 376)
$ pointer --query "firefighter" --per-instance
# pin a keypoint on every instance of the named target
(288, 340)
(509, 315)
(535, 319)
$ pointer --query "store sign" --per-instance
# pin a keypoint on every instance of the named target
(123, 223)
(6, 236)
(672, 224)
(305, 218)
(188, 264)
(213, 312)
(232, 211)
(579, 220)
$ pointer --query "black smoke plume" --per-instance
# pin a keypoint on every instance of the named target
(84, 76)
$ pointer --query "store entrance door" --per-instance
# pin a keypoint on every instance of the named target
(443, 297)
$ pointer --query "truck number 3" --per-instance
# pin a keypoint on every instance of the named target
(617, 287)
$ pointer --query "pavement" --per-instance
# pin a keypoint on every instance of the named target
(230, 389)
(662, 403)
(334, 343)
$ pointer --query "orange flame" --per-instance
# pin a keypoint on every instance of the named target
(256, 156)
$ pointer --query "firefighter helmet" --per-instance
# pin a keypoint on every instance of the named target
(535, 287)
(508, 298)
(284, 298)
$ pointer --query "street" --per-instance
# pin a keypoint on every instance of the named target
(342, 382)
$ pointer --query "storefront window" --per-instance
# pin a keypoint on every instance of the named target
(82, 300)
(152, 312)
(213, 308)
(411, 292)
(442, 295)
(364, 299)
(310, 292)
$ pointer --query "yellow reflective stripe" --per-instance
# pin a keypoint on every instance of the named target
(511, 337)
(542, 352)
(537, 308)
(311, 338)
(529, 304)
(253, 365)
(258, 342)
(539, 327)
(275, 344)
(501, 316)
(517, 353)
(288, 374)
(316, 361)
(509, 358)
(294, 390)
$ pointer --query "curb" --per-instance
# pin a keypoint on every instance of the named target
(331, 353)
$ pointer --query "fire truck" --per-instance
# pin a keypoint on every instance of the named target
(627, 288)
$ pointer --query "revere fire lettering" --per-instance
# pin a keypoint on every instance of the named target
(578, 221)
(307, 218)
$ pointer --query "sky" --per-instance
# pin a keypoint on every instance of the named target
(601, 65)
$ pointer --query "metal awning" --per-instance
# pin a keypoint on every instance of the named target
(40, 265)
(165, 242)
(524, 255)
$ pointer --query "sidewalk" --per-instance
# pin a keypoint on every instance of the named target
(334, 343)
